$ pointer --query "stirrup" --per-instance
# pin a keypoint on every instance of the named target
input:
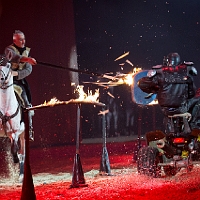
(31, 134)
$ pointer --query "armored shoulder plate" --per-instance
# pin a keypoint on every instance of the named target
(151, 73)
(154, 70)
(190, 68)
(157, 67)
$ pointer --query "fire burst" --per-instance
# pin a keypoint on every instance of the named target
(128, 78)
(87, 97)
(119, 79)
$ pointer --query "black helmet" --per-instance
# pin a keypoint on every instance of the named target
(173, 59)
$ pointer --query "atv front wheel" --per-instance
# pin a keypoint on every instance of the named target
(170, 171)
(147, 161)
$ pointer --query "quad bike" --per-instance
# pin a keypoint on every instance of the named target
(177, 148)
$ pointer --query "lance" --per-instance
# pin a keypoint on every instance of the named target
(76, 70)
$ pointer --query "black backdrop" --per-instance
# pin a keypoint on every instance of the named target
(49, 30)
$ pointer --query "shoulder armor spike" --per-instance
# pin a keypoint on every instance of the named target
(188, 63)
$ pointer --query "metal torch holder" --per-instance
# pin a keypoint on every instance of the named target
(78, 179)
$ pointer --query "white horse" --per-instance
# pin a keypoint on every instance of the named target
(11, 124)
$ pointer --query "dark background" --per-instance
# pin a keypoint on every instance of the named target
(149, 30)
(100, 31)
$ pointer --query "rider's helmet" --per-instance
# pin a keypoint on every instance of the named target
(173, 59)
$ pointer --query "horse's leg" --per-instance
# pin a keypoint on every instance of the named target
(14, 143)
(19, 153)
(21, 156)
(15, 156)
(14, 148)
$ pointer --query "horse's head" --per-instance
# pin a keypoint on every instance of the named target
(5, 75)
(5, 72)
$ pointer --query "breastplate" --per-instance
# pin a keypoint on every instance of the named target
(175, 75)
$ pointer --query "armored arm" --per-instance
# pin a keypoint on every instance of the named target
(191, 72)
(148, 85)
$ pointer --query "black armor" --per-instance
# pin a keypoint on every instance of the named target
(174, 87)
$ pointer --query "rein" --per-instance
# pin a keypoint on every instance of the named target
(6, 118)
(4, 87)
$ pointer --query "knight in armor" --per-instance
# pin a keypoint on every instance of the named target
(21, 63)
(174, 85)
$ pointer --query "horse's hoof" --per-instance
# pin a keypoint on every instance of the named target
(15, 158)
(14, 150)
(21, 168)
(14, 147)
(21, 172)
(21, 178)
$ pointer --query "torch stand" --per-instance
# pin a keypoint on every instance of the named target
(28, 191)
(104, 164)
(139, 134)
(78, 179)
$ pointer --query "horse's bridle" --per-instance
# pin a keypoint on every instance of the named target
(4, 78)
(6, 118)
